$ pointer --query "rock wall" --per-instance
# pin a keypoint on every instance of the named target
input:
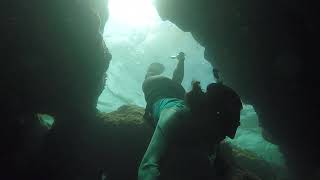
(265, 50)
(53, 54)
(53, 61)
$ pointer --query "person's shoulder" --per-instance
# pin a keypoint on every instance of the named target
(153, 80)
(156, 79)
(160, 77)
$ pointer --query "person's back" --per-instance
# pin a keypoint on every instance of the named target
(158, 87)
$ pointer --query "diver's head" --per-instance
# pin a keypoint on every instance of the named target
(155, 69)
(218, 108)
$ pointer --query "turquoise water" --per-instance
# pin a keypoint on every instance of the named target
(135, 45)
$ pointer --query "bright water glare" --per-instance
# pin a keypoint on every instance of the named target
(136, 36)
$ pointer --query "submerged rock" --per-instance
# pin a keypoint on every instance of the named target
(252, 163)
(125, 115)
(127, 137)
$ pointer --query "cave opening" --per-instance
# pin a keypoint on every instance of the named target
(136, 36)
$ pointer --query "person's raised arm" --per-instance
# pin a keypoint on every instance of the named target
(178, 73)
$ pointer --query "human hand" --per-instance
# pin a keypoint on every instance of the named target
(181, 56)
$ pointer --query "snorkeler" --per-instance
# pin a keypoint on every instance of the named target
(188, 126)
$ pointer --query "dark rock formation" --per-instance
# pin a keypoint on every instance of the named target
(112, 142)
(265, 50)
(127, 138)
(53, 61)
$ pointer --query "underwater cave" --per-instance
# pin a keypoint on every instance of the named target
(73, 70)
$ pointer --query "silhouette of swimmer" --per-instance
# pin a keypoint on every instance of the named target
(187, 126)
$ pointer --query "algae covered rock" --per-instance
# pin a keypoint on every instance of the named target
(127, 114)
(126, 138)
(250, 164)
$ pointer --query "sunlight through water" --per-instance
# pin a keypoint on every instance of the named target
(136, 36)
(133, 13)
